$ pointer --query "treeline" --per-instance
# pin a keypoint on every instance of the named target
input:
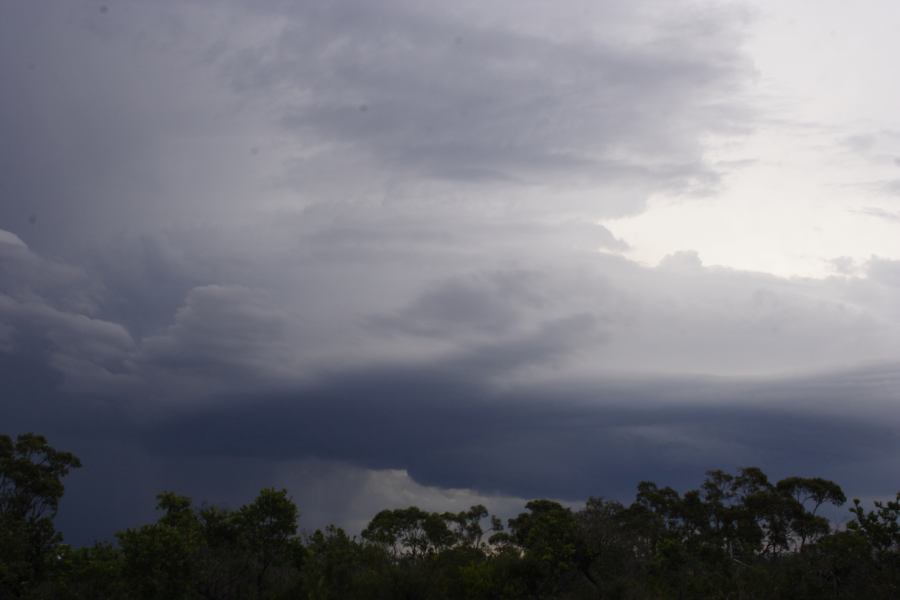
(736, 536)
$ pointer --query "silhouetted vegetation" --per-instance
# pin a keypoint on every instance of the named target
(736, 536)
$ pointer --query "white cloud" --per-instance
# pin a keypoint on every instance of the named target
(348, 496)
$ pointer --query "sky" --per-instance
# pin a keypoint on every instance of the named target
(395, 253)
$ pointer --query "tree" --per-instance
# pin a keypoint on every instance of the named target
(814, 492)
(548, 537)
(338, 566)
(267, 529)
(737, 536)
(89, 573)
(214, 552)
(609, 542)
(881, 530)
(160, 559)
(466, 525)
(409, 533)
(31, 474)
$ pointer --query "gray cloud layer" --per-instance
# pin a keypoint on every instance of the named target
(495, 384)
(347, 240)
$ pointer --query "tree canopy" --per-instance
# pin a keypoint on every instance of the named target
(738, 535)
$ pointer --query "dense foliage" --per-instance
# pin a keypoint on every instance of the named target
(737, 536)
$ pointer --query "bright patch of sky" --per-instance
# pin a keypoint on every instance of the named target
(818, 177)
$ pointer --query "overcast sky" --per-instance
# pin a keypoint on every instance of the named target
(404, 252)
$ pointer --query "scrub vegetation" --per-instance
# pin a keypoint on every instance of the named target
(738, 535)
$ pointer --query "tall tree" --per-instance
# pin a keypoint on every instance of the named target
(31, 474)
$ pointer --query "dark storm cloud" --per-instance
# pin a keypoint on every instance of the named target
(485, 94)
(48, 305)
(27, 276)
(573, 311)
(193, 407)
(220, 330)
(485, 305)
(146, 279)
(112, 124)
(145, 117)
(366, 233)
(449, 428)
(450, 425)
